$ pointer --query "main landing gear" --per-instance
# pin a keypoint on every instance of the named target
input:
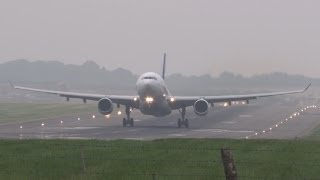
(128, 120)
(183, 121)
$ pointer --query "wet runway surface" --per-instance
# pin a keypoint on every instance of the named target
(238, 122)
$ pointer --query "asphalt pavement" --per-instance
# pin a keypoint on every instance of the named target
(256, 120)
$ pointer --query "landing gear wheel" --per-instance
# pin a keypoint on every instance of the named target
(128, 120)
(183, 121)
(124, 122)
(131, 122)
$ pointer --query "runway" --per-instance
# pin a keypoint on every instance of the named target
(237, 122)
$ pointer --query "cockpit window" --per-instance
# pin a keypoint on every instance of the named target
(149, 77)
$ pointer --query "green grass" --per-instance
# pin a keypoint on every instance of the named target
(314, 134)
(166, 159)
(23, 112)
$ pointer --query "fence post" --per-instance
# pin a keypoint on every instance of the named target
(83, 160)
(228, 164)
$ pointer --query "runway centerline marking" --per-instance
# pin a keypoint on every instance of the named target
(245, 116)
(138, 139)
(229, 122)
(72, 128)
(81, 138)
(222, 130)
(177, 135)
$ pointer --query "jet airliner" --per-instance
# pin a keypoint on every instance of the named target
(153, 98)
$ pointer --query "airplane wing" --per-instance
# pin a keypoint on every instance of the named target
(179, 101)
(185, 101)
(118, 99)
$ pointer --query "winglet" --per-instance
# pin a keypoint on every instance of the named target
(11, 84)
(307, 87)
(164, 66)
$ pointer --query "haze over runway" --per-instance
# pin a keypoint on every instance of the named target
(211, 36)
(205, 36)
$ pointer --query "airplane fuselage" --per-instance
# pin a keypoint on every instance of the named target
(153, 95)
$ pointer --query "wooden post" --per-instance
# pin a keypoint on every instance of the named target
(228, 164)
(83, 161)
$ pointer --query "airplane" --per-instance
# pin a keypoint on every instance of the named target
(153, 98)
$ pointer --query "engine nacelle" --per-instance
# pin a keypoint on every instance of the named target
(201, 107)
(105, 106)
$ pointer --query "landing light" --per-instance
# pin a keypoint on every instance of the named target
(78, 119)
(119, 112)
(225, 104)
(61, 122)
(108, 116)
(135, 99)
(172, 99)
(21, 127)
(42, 124)
(149, 99)
(93, 116)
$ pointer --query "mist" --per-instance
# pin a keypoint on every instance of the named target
(200, 37)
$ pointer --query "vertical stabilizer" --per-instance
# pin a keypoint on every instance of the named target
(164, 66)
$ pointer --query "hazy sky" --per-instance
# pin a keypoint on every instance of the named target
(199, 36)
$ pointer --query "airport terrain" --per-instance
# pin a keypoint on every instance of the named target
(158, 159)
(74, 121)
(36, 142)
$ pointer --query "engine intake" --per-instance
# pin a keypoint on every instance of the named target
(201, 107)
(105, 106)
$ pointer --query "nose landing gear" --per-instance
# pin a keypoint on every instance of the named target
(183, 121)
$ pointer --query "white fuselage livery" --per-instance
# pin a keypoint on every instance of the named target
(153, 94)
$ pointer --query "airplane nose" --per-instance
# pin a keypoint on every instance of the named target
(148, 87)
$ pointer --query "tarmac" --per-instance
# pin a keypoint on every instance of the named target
(270, 120)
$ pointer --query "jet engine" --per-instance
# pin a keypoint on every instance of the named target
(105, 106)
(201, 107)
